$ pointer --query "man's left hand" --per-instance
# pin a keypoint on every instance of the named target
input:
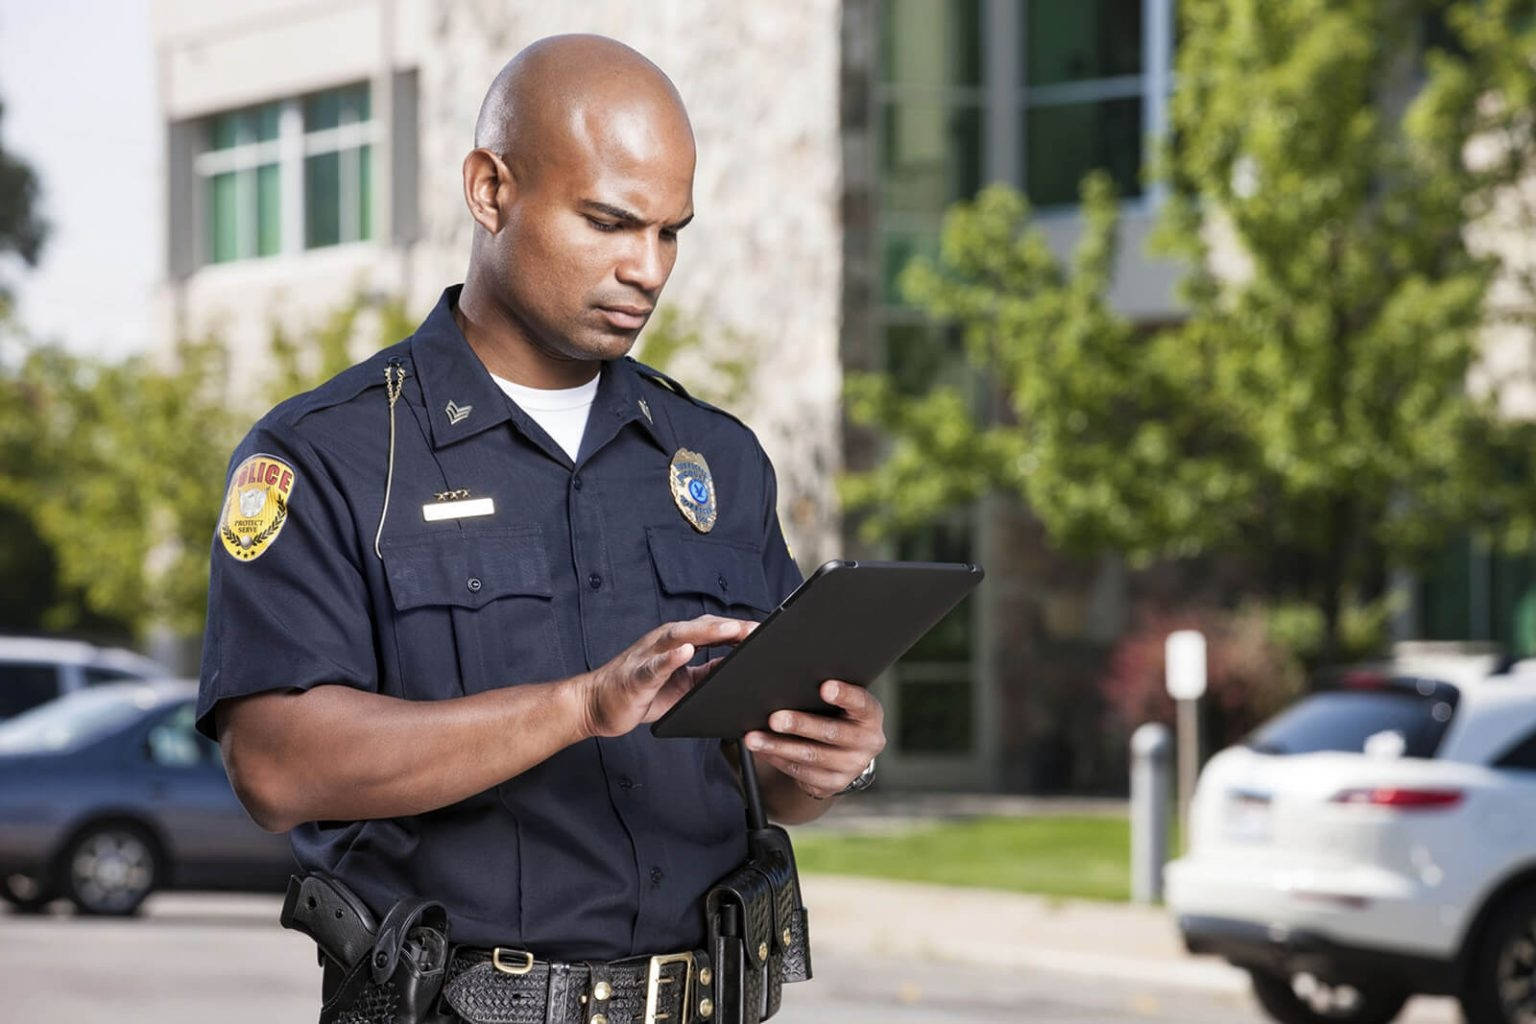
(824, 753)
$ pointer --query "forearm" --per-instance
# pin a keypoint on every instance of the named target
(337, 753)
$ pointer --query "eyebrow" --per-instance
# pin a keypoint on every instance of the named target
(627, 217)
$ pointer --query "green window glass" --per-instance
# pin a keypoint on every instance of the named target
(1063, 143)
(223, 217)
(1081, 40)
(365, 193)
(935, 715)
(335, 107)
(268, 211)
(931, 42)
(897, 249)
(322, 200)
(242, 127)
(930, 155)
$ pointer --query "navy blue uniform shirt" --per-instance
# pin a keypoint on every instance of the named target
(606, 849)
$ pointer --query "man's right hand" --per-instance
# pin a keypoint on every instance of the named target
(643, 681)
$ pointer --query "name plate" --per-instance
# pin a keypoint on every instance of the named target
(439, 510)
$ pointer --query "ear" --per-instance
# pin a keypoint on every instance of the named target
(488, 188)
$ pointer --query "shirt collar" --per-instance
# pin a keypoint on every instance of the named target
(462, 400)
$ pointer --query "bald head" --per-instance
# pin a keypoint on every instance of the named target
(579, 183)
(581, 92)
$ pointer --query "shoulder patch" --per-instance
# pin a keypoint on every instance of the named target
(256, 506)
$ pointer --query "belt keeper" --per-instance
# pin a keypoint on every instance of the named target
(599, 988)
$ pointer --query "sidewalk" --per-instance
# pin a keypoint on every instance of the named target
(865, 916)
(870, 917)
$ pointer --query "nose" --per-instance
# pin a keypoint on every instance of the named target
(647, 263)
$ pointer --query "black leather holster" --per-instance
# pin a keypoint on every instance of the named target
(390, 973)
(758, 928)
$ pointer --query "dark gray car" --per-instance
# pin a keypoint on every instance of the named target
(107, 794)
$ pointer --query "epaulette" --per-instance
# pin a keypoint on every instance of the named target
(661, 380)
(345, 386)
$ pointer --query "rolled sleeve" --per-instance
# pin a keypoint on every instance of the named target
(295, 614)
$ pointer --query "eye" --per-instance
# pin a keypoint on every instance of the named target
(670, 234)
(602, 225)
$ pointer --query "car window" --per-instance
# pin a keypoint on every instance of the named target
(177, 744)
(1521, 756)
(95, 676)
(74, 720)
(1360, 721)
(25, 685)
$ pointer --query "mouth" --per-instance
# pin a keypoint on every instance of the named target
(626, 318)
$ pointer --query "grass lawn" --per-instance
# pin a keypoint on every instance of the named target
(1084, 857)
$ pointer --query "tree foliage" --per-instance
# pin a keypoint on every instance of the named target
(1311, 410)
(119, 465)
(22, 228)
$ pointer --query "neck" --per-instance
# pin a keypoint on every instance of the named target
(507, 348)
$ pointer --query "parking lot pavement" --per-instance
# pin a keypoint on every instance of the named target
(883, 952)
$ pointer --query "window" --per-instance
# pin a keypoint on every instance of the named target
(289, 175)
(175, 743)
(933, 680)
(26, 684)
(1521, 756)
(97, 676)
(1347, 720)
(1036, 93)
(1084, 81)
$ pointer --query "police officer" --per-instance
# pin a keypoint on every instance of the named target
(452, 584)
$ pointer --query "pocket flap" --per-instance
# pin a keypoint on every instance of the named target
(467, 569)
(730, 573)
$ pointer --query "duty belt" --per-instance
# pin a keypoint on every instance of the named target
(505, 986)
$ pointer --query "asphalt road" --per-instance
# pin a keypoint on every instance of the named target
(199, 958)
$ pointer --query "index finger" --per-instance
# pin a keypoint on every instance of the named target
(702, 631)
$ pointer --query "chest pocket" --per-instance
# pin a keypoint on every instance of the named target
(697, 575)
(482, 600)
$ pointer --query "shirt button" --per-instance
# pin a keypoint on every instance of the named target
(656, 876)
(595, 581)
(576, 482)
(473, 583)
(720, 579)
(625, 782)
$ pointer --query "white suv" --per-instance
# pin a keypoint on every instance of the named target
(1370, 843)
(38, 669)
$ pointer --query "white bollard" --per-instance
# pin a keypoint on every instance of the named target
(1151, 756)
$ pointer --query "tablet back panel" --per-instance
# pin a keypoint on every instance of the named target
(849, 621)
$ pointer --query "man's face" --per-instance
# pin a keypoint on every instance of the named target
(591, 233)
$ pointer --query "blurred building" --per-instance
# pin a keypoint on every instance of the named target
(314, 152)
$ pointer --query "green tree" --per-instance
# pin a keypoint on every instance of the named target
(119, 465)
(1311, 412)
(22, 228)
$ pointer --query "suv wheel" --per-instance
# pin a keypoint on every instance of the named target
(26, 894)
(1305, 999)
(1501, 988)
(110, 868)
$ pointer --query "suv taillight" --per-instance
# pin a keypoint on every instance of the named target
(1402, 799)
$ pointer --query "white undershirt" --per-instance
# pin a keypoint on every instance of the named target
(561, 412)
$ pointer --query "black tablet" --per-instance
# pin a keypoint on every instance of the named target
(849, 621)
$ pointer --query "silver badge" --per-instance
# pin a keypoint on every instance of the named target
(693, 489)
(456, 412)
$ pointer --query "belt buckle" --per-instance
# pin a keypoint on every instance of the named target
(508, 966)
(654, 981)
